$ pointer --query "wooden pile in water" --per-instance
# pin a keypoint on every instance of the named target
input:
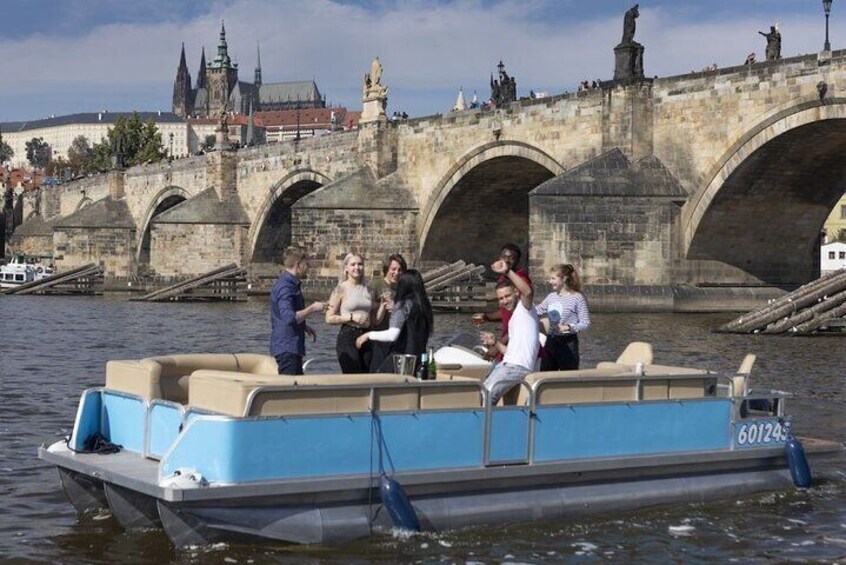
(228, 283)
(817, 304)
(87, 279)
(458, 286)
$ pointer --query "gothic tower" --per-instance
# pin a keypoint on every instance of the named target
(182, 88)
(257, 80)
(201, 74)
(222, 76)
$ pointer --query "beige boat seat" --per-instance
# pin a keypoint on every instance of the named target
(476, 372)
(229, 393)
(740, 382)
(634, 353)
(167, 377)
(561, 387)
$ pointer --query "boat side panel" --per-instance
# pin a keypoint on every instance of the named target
(165, 421)
(432, 440)
(509, 439)
(88, 420)
(124, 419)
(570, 432)
(226, 450)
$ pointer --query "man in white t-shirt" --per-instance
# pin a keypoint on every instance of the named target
(515, 295)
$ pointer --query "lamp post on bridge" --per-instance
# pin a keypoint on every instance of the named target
(827, 9)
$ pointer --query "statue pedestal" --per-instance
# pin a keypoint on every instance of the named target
(628, 61)
(374, 109)
(221, 139)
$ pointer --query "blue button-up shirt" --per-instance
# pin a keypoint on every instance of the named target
(286, 334)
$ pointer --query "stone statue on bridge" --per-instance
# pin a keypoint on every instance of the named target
(117, 151)
(628, 55)
(630, 25)
(373, 87)
(504, 90)
(374, 94)
(773, 44)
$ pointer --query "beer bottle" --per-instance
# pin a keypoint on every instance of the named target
(433, 365)
(423, 367)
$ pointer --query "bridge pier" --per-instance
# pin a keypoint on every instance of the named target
(356, 213)
(205, 231)
(611, 217)
(103, 232)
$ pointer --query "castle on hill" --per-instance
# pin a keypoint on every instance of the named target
(218, 88)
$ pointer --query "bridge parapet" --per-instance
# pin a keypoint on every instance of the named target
(699, 116)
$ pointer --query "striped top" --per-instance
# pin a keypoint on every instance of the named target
(570, 309)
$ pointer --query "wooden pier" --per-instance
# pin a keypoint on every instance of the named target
(458, 286)
(816, 305)
(85, 280)
(224, 284)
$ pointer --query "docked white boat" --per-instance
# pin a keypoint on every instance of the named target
(19, 271)
(217, 447)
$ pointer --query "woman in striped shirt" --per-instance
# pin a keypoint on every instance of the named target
(567, 311)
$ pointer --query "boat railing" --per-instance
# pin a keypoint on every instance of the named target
(372, 398)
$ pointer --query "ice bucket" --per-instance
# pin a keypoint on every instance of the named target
(404, 364)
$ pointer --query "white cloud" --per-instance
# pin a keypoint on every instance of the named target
(428, 50)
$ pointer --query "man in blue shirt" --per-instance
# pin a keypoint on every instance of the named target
(288, 314)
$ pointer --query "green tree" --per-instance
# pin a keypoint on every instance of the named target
(136, 141)
(208, 142)
(150, 148)
(6, 152)
(80, 156)
(38, 152)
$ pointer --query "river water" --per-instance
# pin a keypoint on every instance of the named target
(51, 348)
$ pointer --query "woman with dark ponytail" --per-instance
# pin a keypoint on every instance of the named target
(411, 323)
(567, 311)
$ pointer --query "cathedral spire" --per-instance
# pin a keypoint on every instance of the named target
(222, 59)
(258, 66)
(201, 74)
(182, 63)
(182, 87)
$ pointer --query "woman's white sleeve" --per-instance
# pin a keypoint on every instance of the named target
(389, 335)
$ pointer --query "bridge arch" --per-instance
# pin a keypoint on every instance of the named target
(270, 232)
(765, 200)
(164, 200)
(457, 221)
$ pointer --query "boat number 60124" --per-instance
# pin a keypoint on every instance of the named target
(761, 433)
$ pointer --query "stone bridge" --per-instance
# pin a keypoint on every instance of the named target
(721, 177)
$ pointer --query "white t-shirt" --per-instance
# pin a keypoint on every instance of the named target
(523, 343)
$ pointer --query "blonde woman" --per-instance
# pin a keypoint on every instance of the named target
(568, 315)
(352, 306)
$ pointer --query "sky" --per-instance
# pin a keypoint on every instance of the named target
(65, 56)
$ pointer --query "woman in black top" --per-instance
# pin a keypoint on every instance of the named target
(411, 323)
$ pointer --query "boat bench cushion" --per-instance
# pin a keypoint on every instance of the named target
(476, 372)
(228, 393)
(559, 388)
(168, 377)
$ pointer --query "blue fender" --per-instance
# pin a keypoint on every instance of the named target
(399, 508)
(797, 462)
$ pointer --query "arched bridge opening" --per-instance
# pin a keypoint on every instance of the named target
(165, 200)
(271, 233)
(765, 217)
(487, 207)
